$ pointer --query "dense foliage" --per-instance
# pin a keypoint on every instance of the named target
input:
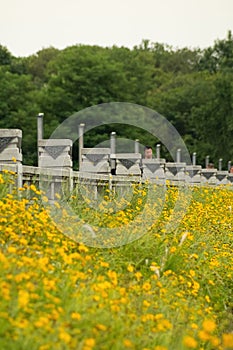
(192, 88)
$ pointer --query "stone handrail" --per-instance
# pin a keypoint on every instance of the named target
(98, 166)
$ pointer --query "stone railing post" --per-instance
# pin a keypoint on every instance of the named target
(153, 169)
(158, 147)
(95, 161)
(178, 156)
(207, 160)
(40, 131)
(208, 176)
(175, 172)
(81, 142)
(193, 174)
(136, 146)
(113, 152)
(10, 152)
(55, 163)
(220, 164)
(194, 158)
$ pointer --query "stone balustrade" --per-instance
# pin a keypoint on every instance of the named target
(98, 166)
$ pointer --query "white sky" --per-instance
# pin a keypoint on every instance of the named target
(26, 26)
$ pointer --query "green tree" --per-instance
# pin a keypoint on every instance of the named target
(218, 57)
(5, 56)
(18, 109)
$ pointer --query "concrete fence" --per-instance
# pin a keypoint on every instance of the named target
(99, 166)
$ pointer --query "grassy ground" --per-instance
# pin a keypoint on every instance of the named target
(167, 290)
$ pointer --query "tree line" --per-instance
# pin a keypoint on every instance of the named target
(192, 88)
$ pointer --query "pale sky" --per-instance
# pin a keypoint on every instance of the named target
(26, 26)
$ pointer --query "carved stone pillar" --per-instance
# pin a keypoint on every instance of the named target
(55, 163)
(11, 152)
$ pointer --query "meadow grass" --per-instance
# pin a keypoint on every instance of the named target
(167, 290)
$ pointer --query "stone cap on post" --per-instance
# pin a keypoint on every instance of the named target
(193, 174)
(175, 172)
(209, 176)
(95, 160)
(55, 153)
(222, 177)
(10, 146)
(127, 163)
(230, 178)
(153, 169)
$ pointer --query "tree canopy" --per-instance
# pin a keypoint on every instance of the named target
(192, 88)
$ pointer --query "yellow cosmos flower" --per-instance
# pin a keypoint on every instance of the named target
(90, 342)
(64, 336)
(75, 316)
(227, 339)
(209, 325)
(190, 342)
(130, 268)
(127, 343)
(23, 298)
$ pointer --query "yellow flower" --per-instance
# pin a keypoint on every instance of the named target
(158, 316)
(22, 323)
(45, 199)
(57, 205)
(90, 342)
(190, 342)
(104, 264)
(146, 286)
(172, 249)
(138, 275)
(203, 335)
(146, 303)
(115, 308)
(33, 188)
(214, 341)
(163, 325)
(75, 316)
(83, 248)
(211, 282)
(11, 249)
(45, 347)
(23, 298)
(192, 273)
(209, 325)
(130, 268)
(113, 276)
(1, 179)
(227, 339)
(194, 326)
(42, 321)
(101, 327)
(127, 343)
(64, 336)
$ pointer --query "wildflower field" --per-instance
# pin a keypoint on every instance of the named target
(167, 290)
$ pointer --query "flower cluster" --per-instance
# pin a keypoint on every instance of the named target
(166, 290)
